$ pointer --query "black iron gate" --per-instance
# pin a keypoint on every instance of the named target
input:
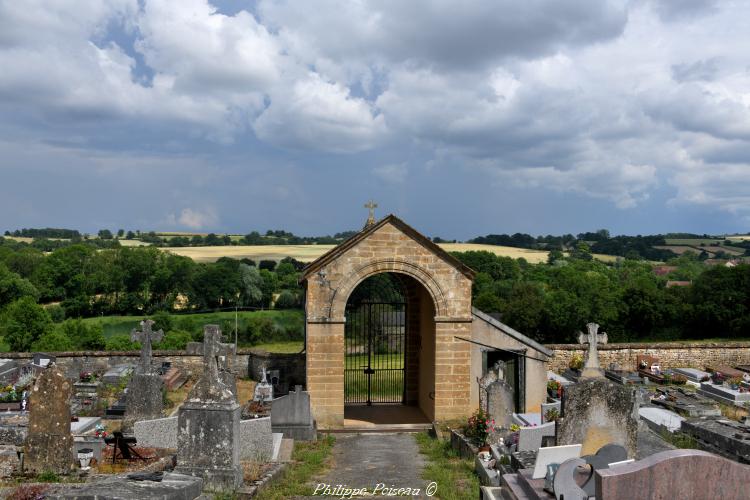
(375, 340)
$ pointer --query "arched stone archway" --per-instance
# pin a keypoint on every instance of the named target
(440, 288)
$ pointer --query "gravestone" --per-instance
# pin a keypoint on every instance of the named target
(591, 368)
(209, 424)
(263, 390)
(291, 415)
(596, 411)
(674, 474)
(500, 403)
(49, 442)
(144, 396)
(484, 382)
(8, 370)
(115, 375)
(225, 359)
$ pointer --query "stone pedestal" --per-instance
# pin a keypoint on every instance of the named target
(49, 441)
(597, 412)
(207, 443)
(144, 399)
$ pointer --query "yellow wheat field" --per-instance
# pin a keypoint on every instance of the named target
(308, 253)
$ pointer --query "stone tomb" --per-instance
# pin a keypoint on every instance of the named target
(291, 416)
(724, 394)
(597, 412)
(693, 375)
(115, 375)
(624, 377)
(209, 424)
(660, 420)
(49, 443)
(687, 404)
(721, 436)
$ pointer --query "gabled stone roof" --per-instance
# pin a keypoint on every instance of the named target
(339, 250)
(511, 332)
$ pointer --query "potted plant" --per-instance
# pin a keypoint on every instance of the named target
(551, 415)
(553, 388)
(478, 427)
(576, 362)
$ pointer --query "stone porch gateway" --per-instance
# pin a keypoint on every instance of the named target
(439, 352)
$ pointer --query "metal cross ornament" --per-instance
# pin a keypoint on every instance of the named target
(146, 337)
(593, 339)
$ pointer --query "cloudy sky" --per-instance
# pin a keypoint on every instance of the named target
(463, 118)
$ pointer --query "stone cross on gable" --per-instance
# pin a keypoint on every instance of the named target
(146, 337)
(591, 368)
(371, 206)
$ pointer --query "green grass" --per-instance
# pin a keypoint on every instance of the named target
(309, 460)
(119, 325)
(679, 440)
(386, 385)
(693, 241)
(454, 475)
(291, 347)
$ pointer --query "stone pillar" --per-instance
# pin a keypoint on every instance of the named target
(452, 370)
(325, 373)
(49, 444)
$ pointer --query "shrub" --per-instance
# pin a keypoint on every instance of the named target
(286, 300)
(479, 426)
(175, 340)
(576, 361)
(121, 343)
(54, 341)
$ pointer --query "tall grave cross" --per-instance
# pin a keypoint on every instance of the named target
(371, 206)
(591, 368)
(211, 386)
(146, 337)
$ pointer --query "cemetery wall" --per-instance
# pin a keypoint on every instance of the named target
(670, 354)
(72, 363)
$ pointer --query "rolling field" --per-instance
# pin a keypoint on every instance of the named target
(308, 253)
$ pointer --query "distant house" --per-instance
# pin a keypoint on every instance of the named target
(664, 270)
(672, 283)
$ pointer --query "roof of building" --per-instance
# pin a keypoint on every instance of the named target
(368, 230)
(511, 332)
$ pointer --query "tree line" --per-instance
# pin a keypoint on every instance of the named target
(551, 302)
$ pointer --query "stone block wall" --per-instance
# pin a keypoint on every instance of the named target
(670, 354)
(72, 363)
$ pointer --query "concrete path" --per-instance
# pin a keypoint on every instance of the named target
(371, 461)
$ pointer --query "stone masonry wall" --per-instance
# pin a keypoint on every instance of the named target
(671, 354)
(72, 363)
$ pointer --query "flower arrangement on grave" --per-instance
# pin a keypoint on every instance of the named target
(576, 361)
(679, 379)
(554, 388)
(100, 431)
(734, 382)
(479, 426)
(87, 377)
(718, 378)
(551, 415)
(9, 394)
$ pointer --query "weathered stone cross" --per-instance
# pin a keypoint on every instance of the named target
(210, 386)
(146, 337)
(591, 368)
(371, 205)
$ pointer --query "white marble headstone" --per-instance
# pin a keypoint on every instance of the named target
(554, 455)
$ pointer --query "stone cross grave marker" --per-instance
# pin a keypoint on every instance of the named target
(591, 368)
(146, 337)
(264, 390)
(211, 385)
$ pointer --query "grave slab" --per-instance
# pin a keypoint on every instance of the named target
(84, 425)
(686, 403)
(721, 436)
(724, 394)
(171, 487)
(660, 419)
(115, 375)
(693, 374)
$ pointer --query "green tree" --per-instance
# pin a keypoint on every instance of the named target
(105, 234)
(14, 287)
(120, 233)
(252, 285)
(53, 341)
(25, 322)
(84, 336)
